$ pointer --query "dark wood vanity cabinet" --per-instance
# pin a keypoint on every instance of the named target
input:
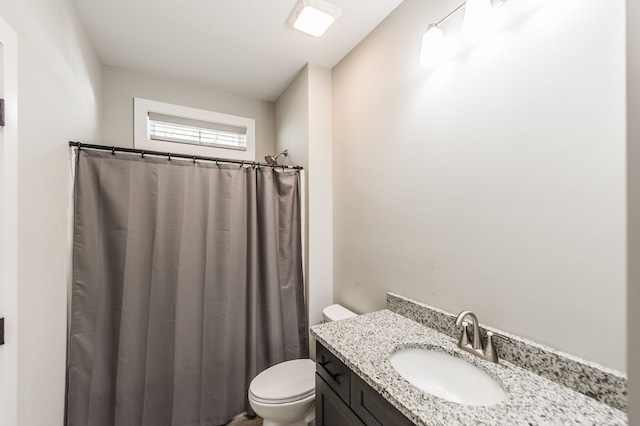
(330, 409)
(343, 398)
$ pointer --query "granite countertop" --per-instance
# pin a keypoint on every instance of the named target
(364, 343)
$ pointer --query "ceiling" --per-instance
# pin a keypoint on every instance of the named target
(244, 46)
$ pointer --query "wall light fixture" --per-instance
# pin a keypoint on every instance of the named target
(474, 27)
(433, 43)
(476, 19)
(313, 17)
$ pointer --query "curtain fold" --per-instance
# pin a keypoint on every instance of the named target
(187, 282)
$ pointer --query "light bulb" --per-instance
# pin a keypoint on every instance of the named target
(477, 14)
(433, 48)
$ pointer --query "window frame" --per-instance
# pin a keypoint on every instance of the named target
(142, 140)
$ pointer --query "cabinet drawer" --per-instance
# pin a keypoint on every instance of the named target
(372, 408)
(333, 371)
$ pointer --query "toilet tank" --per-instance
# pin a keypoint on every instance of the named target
(336, 313)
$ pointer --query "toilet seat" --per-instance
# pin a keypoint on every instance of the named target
(283, 383)
(284, 401)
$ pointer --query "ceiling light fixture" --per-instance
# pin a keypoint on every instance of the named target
(313, 17)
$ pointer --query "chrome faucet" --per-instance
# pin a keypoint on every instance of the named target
(487, 353)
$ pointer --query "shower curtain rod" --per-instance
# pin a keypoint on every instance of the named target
(171, 155)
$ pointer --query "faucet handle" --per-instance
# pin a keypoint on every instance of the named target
(490, 353)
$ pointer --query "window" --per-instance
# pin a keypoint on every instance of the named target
(159, 126)
(169, 128)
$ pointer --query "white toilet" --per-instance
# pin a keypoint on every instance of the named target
(284, 394)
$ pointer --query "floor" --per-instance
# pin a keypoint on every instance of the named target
(243, 421)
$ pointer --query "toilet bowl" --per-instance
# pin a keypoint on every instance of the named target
(284, 394)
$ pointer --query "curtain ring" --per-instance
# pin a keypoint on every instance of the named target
(113, 150)
(142, 154)
(217, 163)
(169, 155)
(242, 164)
(194, 160)
(79, 146)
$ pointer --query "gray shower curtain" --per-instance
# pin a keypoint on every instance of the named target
(187, 282)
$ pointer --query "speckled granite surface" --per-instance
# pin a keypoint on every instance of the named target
(364, 343)
(605, 385)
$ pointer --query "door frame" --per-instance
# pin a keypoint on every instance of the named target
(9, 228)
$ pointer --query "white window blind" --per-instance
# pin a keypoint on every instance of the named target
(169, 128)
(160, 126)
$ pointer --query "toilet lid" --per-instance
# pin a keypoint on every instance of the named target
(337, 312)
(285, 382)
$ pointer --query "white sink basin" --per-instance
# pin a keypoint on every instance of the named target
(447, 377)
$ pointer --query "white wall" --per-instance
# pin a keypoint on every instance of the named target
(303, 127)
(633, 197)
(320, 177)
(59, 98)
(120, 86)
(292, 121)
(494, 183)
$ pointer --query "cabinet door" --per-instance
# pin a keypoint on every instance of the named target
(330, 409)
(333, 371)
(372, 408)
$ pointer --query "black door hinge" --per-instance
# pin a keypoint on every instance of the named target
(2, 112)
(1, 331)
